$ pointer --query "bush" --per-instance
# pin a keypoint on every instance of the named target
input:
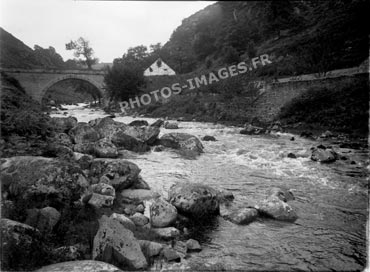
(19, 113)
(343, 106)
(123, 81)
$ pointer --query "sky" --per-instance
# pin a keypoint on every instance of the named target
(110, 26)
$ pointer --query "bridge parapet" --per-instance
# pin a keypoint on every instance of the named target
(52, 71)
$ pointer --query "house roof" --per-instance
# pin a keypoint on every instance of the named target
(159, 68)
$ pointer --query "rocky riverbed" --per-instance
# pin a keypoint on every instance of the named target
(132, 194)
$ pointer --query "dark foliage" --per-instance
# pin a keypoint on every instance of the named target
(124, 81)
(342, 107)
(19, 113)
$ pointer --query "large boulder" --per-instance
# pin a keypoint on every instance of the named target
(132, 138)
(107, 127)
(195, 199)
(101, 149)
(63, 124)
(83, 133)
(274, 207)
(145, 134)
(182, 141)
(162, 213)
(117, 245)
(80, 266)
(122, 140)
(323, 155)
(40, 182)
(21, 246)
(121, 174)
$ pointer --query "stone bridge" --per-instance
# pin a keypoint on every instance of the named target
(37, 81)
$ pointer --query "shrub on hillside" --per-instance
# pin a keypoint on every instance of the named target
(19, 113)
(343, 106)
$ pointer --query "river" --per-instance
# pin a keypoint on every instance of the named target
(331, 199)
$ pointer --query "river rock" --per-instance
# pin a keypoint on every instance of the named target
(282, 193)
(209, 138)
(182, 141)
(323, 155)
(56, 150)
(103, 189)
(43, 219)
(117, 245)
(277, 209)
(104, 149)
(83, 133)
(140, 183)
(224, 196)
(42, 181)
(23, 242)
(194, 199)
(124, 220)
(150, 248)
(138, 123)
(63, 124)
(291, 155)
(122, 140)
(170, 125)
(157, 123)
(66, 253)
(166, 233)
(107, 127)
(171, 255)
(80, 266)
(162, 213)
(308, 135)
(83, 160)
(139, 219)
(252, 130)
(121, 174)
(146, 134)
(136, 195)
(98, 201)
(327, 134)
(243, 216)
(193, 245)
(62, 139)
(158, 148)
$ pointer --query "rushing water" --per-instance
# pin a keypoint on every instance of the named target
(331, 199)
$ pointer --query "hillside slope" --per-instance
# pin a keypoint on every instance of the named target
(15, 54)
(303, 36)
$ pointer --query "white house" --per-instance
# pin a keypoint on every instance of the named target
(159, 68)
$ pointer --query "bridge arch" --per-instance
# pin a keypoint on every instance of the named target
(71, 76)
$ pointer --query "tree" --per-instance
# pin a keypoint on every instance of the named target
(81, 47)
(124, 81)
